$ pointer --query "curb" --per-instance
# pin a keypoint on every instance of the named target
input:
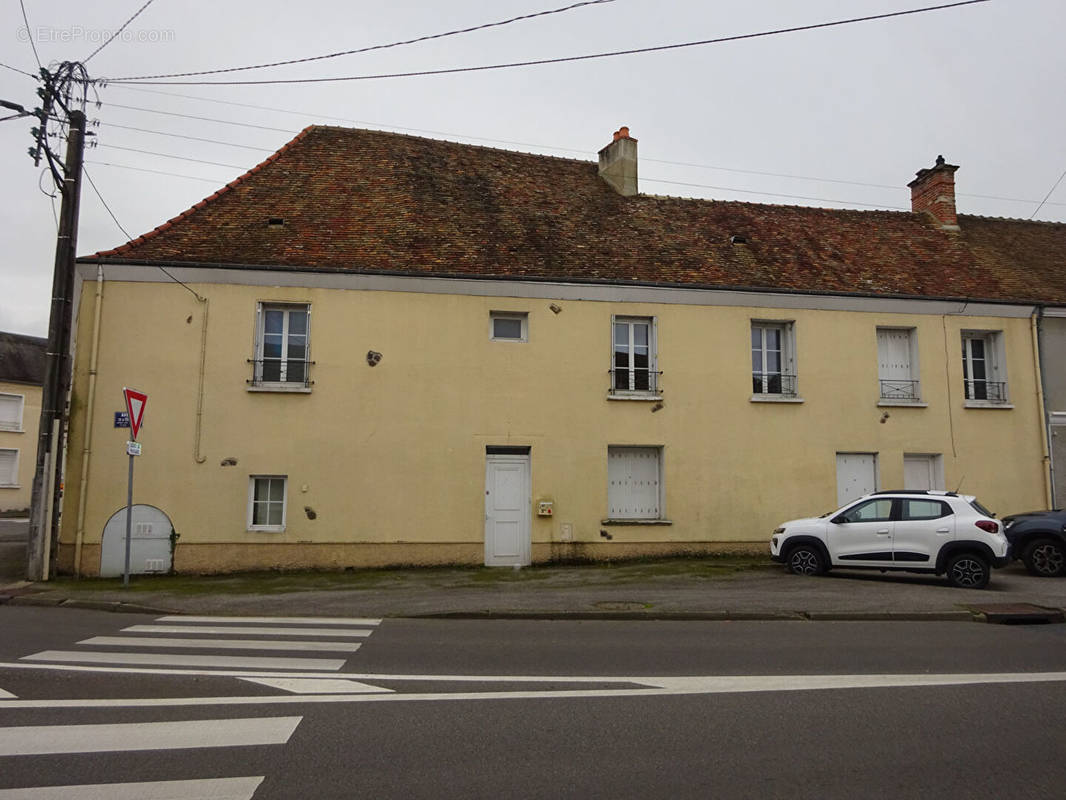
(91, 605)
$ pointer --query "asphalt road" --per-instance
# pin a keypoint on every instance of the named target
(528, 709)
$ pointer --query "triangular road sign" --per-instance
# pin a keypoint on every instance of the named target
(135, 403)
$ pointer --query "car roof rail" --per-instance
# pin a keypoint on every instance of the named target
(934, 492)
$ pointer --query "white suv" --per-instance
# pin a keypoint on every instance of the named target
(911, 531)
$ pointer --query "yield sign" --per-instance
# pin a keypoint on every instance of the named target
(135, 403)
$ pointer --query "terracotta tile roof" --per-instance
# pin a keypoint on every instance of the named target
(368, 201)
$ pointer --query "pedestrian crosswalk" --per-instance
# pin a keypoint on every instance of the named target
(51, 740)
(269, 648)
(252, 643)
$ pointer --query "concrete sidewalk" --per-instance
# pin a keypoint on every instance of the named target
(687, 589)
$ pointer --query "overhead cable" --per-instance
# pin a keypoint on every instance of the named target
(367, 49)
(560, 60)
(117, 33)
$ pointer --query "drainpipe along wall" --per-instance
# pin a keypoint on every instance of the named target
(83, 490)
(1038, 359)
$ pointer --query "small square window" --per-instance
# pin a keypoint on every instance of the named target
(11, 412)
(9, 468)
(508, 326)
(266, 502)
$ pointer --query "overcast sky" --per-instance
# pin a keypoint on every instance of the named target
(823, 112)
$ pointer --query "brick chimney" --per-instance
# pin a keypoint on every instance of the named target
(933, 192)
(618, 163)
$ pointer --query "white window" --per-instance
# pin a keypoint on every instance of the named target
(9, 468)
(633, 356)
(773, 360)
(11, 412)
(282, 339)
(984, 370)
(508, 326)
(634, 483)
(266, 502)
(897, 365)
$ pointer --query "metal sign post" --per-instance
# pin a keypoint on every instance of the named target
(135, 403)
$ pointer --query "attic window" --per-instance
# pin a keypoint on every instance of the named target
(737, 239)
(274, 222)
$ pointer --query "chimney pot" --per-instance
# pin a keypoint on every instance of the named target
(933, 192)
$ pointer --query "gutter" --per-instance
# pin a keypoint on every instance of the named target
(1036, 320)
(572, 281)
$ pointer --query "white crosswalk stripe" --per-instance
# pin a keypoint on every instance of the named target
(208, 789)
(266, 643)
(5, 695)
(59, 740)
(34, 740)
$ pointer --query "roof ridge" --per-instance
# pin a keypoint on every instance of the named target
(210, 198)
(454, 142)
(1014, 219)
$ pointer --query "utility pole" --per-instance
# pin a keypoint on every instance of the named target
(47, 479)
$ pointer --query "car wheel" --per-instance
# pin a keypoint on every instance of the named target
(805, 559)
(968, 571)
(1046, 558)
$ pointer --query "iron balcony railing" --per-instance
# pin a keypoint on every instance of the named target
(986, 391)
(281, 372)
(636, 380)
(773, 383)
(899, 390)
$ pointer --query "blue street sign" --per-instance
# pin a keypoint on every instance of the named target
(122, 419)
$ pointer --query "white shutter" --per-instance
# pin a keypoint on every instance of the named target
(10, 412)
(894, 354)
(9, 466)
(633, 476)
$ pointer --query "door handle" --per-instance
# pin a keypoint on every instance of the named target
(883, 532)
(943, 530)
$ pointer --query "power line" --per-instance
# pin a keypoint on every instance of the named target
(115, 35)
(155, 171)
(167, 155)
(561, 60)
(1050, 192)
(554, 148)
(29, 34)
(776, 194)
(191, 138)
(129, 238)
(371, 48)
(19, 71)
(202, 119)
(107, 208)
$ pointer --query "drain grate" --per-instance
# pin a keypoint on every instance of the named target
(1018, 614)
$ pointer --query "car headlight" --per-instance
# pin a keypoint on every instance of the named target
(779, 530)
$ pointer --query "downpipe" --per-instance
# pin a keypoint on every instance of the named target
(83, 489)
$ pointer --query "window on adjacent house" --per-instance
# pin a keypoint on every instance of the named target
(633, 359)
(983, 371)
(634, 482)
(282, 345)
(9, 467)
(897, 364)
(11, 412)
(508, 326)
(266, 503)
(773, 362)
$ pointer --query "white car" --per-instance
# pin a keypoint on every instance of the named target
(911, 531)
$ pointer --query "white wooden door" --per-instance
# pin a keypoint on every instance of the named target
(507, 510)
(856, 476)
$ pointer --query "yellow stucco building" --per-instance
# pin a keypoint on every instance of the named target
(419, 352)
(21, 375)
